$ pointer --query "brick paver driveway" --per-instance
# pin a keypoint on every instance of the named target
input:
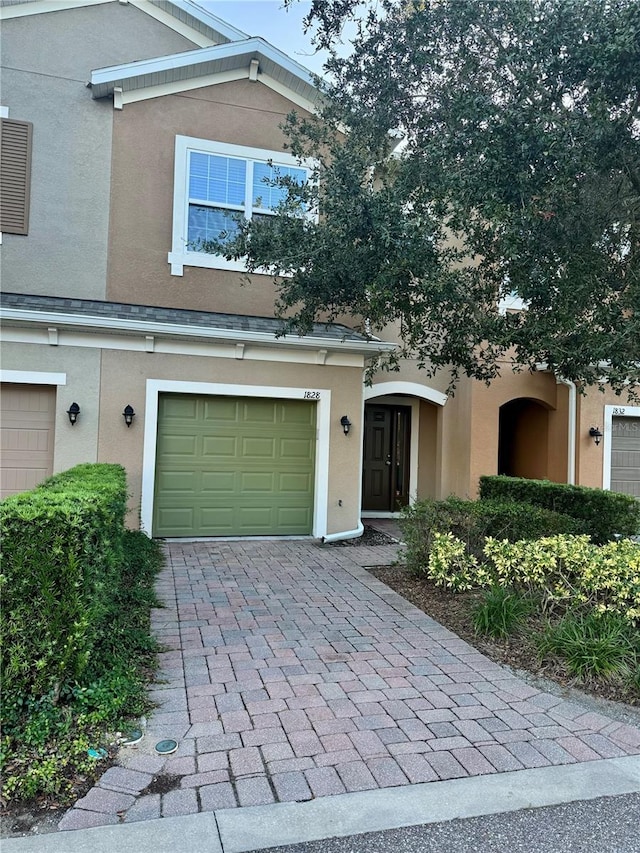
(292, 673)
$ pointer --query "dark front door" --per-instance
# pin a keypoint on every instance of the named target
(385, 466)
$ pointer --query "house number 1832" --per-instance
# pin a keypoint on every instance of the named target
(311, 395)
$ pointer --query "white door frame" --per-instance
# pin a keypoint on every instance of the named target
(321, 475)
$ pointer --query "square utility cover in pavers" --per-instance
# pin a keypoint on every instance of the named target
(292, 673)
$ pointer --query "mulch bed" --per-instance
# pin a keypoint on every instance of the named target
(453, 610)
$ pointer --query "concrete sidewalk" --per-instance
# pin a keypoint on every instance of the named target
(295, 680)
(259, 827)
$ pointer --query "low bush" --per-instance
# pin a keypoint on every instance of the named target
(77, 652)
(472, 522)
(46, 739)
(593, 644)
(61, 559)
(602, 514)
(571, 570)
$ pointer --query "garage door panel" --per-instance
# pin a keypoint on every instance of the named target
(254, 461)
(295, 448)
(220, 409)
(300, 414)
(259, 411)
(176, 482)
(27, 434)
(218, 481)
(294, 517)
(253, 481)
(220, 446)
(292, 482)
(179, 445)
(264, 448)
(179, 406)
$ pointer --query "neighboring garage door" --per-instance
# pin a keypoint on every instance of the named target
(26, 436)
(625, 456)
(228, 466)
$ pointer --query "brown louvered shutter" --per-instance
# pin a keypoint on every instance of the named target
(15, 175)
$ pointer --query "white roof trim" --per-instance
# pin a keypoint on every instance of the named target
(192, 63)
(178, 10)
(176, 330)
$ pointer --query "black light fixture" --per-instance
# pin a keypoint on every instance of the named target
(73, 411)
(128, 414)
(346, 424)
(595, 434)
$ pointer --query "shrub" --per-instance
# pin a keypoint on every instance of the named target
(601, 514)
(571, 569)
(45, 739)
(593, 644)
(501, 612)
(61, 558)
(472, 521)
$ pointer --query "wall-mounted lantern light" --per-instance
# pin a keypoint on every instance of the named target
(128, 414)
(346, 424)
(595, 434)
(73, 411)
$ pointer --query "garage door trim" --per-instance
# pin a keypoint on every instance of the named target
(321, 396)
(609, 413)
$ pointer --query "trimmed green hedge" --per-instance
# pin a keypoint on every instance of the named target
(602, 514)
(62, 553)
(472, 522)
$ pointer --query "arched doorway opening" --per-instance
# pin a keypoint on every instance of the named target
(523, 440)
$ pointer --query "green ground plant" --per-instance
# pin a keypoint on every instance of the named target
(593, 644)
(501, 612)
(76, 643)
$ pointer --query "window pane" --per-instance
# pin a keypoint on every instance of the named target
(267, 196)
(210, 223)
(215, 178)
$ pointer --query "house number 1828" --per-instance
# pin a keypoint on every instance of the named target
(311, 395)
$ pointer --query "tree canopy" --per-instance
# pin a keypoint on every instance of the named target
(467, 151)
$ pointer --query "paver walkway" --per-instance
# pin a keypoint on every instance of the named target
(292, 673)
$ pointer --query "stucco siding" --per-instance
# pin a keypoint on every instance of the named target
(47, 60)
(241, 113)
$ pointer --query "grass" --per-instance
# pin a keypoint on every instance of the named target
(594, 645)
(501, 612)
(45, 741)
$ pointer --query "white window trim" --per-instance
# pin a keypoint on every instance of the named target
(323, 423)
(33, 377)
(179, 256)
(609, 413)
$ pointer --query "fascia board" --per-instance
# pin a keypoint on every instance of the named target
(103, 79)
(209, 20)
(50, 318)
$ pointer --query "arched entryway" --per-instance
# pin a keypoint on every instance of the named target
(399, 450)
(523, 442)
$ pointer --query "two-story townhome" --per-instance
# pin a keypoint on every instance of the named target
(130, 130)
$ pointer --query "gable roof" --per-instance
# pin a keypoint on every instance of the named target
(224, 53)
(147, 77)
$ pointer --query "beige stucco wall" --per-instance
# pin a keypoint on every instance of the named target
(428, 450)
(589, 461)
(242, 113)
(123, 379)
(73, 444)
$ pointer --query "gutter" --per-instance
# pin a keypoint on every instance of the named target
(117, 324)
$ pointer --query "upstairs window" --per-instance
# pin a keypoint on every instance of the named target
(15, 175)
(215, 183)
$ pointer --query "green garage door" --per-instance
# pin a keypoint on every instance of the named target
(234, 466)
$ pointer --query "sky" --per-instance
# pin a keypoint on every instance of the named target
(270, 20)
